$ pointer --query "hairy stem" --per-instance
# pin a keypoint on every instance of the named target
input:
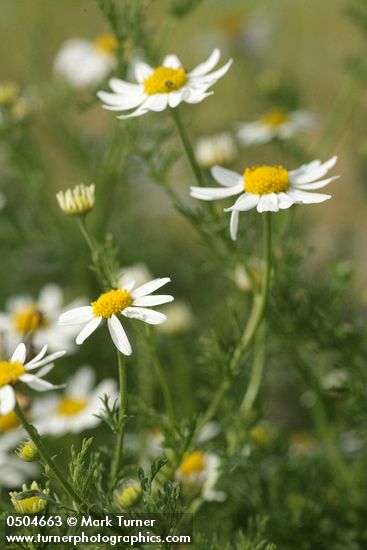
(254, 384)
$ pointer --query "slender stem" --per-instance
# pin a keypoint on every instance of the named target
(162, 379)
(187, 146)
(249, 333)
(87, 237)
(47, 459)
(256, 373)
(122, 418)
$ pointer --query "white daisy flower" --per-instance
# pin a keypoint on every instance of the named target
(164, 86)
(84, 63)
(17, 370)
(126, 301)
(267, 188)
(275, 124)
(199, 472)
(216, 149)
(26, 316)
(77, 409)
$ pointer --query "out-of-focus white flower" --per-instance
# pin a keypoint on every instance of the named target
(275, 124)
(216, 149)
(17, 370)
(24, 316)
(78, 201)
(162, 87)
(198, 473)
(180, 318)
(334, 380)
(267, 188)
(75, 410)
(139, 273)
(13, 471)
(125, 301)
(84, 63)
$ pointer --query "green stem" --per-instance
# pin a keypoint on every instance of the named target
(187, 146)
(256, 373)
(88, 239)
(122, 418)
(46, 458)
(249, 333)
(162, 379)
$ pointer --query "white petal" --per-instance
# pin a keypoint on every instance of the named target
(76, 316)
(115, 102)
(51, 298)
(154, 300)
(142, 71)
(303, 197)
(285, 201)
(150, 287)
(214, 193)
(211, 77)
(244, 203)
(118, 335)
(144, 314)
(317, 184)
(233, 226)
(272, 202)
(172, 61)
(254, 133)
(124, 88)
(19, 354)
(311, 172)
(175, 97)
(39, 356)
(7, 400)
(226, 177)
(262, 205)
(38, 383)
(196, 96)
(81, 384)
(45, 370)
(35, 364)
(88, 329)
(207, 65)
(156, 102)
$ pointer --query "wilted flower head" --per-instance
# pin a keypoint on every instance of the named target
(78, 201)
(30, 505)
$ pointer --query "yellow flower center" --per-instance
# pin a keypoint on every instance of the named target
(8, 422)
(106, 43)
(69, 406)
(31, 505)
(261, 180)
(10, 372)
(111, 302)
(164, 80)
(275, 118)
(29, 319)
(193, 463)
